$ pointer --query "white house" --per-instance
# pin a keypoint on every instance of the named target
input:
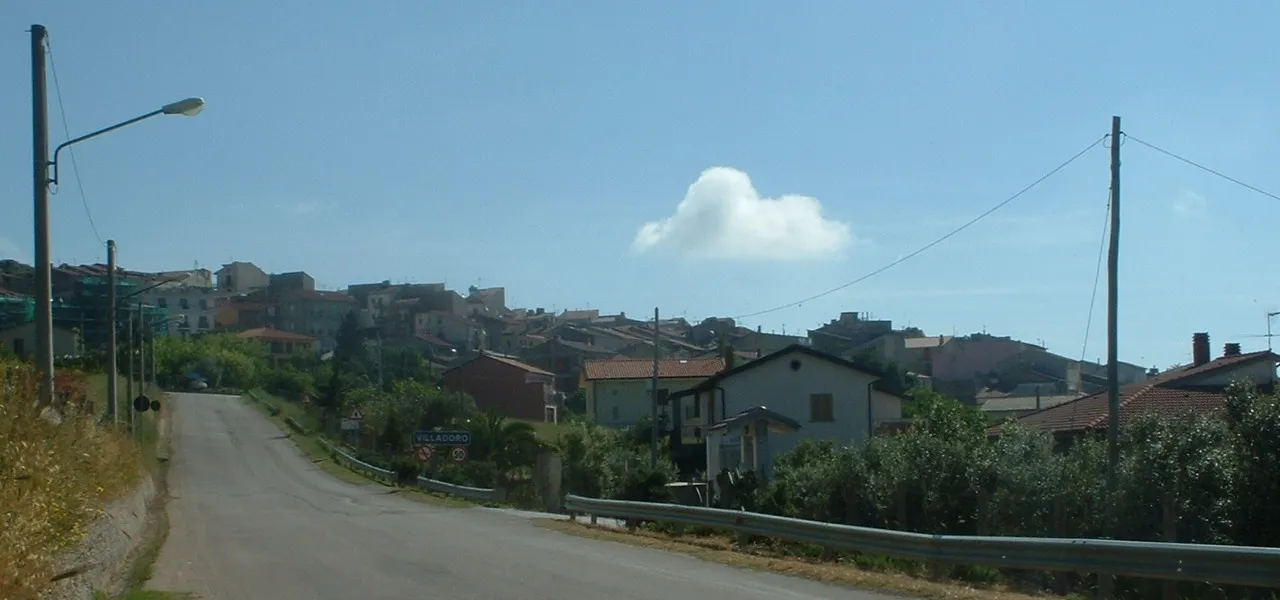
(828, 397)
(620, 391)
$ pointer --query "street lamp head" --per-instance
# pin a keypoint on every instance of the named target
(189, 107)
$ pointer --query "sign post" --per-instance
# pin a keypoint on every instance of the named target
(441, 438)
(351, 425)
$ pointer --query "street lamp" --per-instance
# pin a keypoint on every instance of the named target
(187, 108)
(42, 180)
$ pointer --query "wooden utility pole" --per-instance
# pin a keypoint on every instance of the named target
(1106, 582)
(653, 410)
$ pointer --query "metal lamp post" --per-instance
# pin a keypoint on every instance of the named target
(46, 174)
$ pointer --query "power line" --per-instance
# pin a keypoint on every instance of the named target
(944, 238)
(75, 169)
(1204, 168)
(1097, 274)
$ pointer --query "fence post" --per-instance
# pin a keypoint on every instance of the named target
(547, 479)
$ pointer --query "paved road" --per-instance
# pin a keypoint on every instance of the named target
(250, 517)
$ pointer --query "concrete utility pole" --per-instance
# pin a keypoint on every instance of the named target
(653, 410)
(113, 369)
(143, 326)
(40, 183)
(1106, 581)
(1113, 305)
(129, 359)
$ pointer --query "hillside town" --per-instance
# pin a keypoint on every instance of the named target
(531, 363)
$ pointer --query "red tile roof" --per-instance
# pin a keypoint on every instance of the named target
(318, 295)
(274, 335)
(643, 368)
(431, 339)
(1169, 392)
(517, 364)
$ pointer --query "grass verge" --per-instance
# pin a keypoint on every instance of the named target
(721, 549)
(55, 475)
(158, 447)
(310, 445)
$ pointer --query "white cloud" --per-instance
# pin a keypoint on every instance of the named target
(723, 217)
(1190, 205)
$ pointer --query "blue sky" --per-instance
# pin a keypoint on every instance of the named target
(527, 144)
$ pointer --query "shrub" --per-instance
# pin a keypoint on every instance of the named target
(54, 477)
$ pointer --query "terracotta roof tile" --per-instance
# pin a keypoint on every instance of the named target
(517, 364)
(274, 335)
(431, 339)
(1167, 392)
(643, 368)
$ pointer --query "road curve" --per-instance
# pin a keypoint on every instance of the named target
(251, 517)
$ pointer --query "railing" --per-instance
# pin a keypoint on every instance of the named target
(462, 491)
(295, 425)
(271, 408)
(1231, 565)
(356, 464)
(427, 484)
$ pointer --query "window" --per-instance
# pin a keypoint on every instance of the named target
(204, 304)
(204, 322)
(821, 408)
(162, 302)
(182, 302)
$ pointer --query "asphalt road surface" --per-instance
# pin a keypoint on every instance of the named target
(252, 518)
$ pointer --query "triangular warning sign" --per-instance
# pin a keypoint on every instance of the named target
(355, 415)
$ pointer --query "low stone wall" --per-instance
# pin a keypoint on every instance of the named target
(100, 561)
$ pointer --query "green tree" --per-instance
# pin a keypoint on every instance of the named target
(507, 444)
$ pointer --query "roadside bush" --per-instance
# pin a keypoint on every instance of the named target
(1215, 476)
(56, 474)
(609, 463)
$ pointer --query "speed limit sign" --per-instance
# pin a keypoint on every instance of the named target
(459, 454)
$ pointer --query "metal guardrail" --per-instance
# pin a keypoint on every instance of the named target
(426, 483)
(356, 464)
(462, 491)
(271, 408)
(295, 425)
(1231, 565)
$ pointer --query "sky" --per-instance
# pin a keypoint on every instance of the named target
(707, 158)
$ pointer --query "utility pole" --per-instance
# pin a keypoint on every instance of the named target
(129, 359)
(653, 410)
(153, 382)
(40, 182)
(113, 369)
(1270, 316)
(143, 326)
(1106, 581)
(142, 371)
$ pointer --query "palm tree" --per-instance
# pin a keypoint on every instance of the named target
(507, 444)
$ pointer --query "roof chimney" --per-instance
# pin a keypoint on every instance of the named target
(1231, 349)
(1200, 349)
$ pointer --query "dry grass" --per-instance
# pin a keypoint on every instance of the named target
(721, 549)
(54, 478)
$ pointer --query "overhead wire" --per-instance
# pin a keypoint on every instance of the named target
(75, 168)
(1204, 168)
(1097, 275)
(930, 245)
